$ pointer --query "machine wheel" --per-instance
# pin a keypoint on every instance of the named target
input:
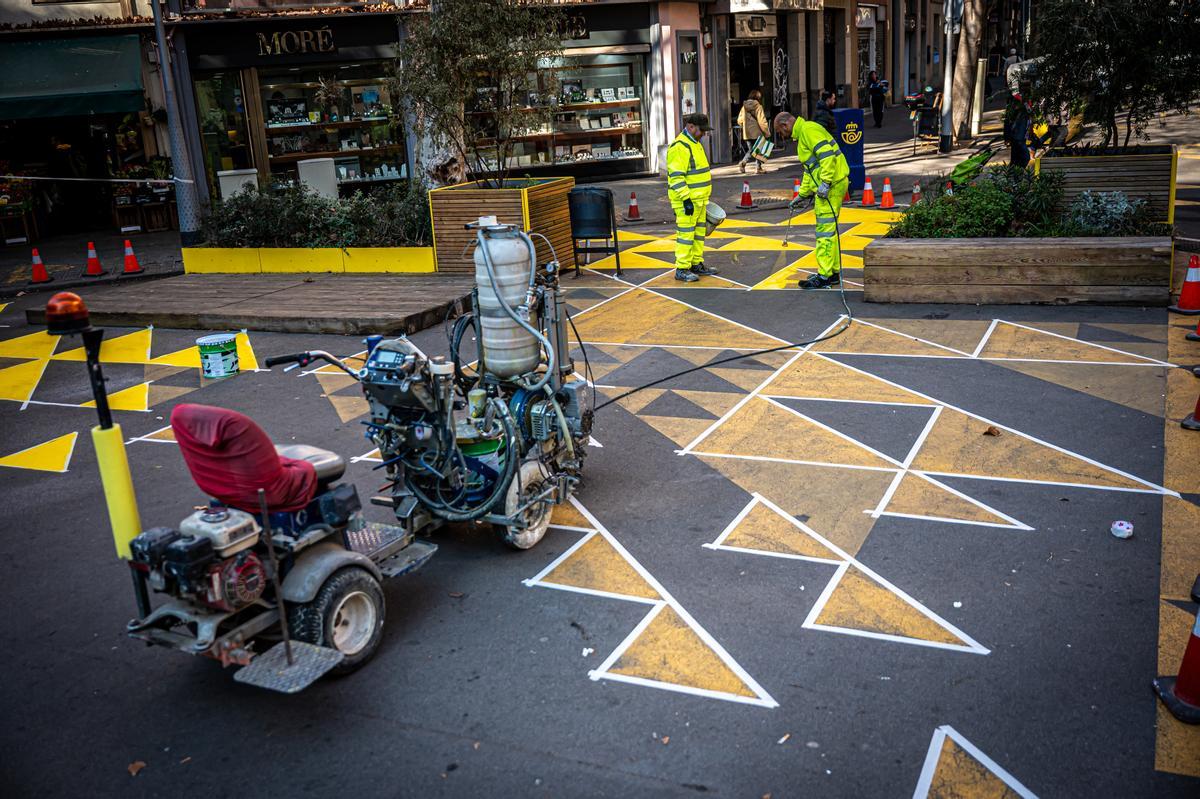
(528, 482)
(347, 615)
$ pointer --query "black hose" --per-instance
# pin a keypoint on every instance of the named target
(464, 381)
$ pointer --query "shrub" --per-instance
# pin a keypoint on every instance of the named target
(392, 216)
(1111, 214)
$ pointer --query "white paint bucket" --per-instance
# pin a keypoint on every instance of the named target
(218, 355)
(713, 216)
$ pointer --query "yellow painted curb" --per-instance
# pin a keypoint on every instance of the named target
(388, 259)
(277, 260)
(217, 260)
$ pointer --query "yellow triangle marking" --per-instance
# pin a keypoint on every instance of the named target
(629, 235)
(958, 334)
(666, 244)
(643, 317)
(736, 223)
(598, 566)
(130, 348)
(919, 496)
(869, 339)
(134, 398)
(333, 382)
(669, 651)
(868, 215)
(247, 362)
(809, 217)
(1014, 341)
(1101, 380)
(869, 229)
(186, 358)
(861, 604)
(18, 382)
(153, 371)
(567, 515)
(957, 445)
(163, 434)
(667, 280)
(790, 437)
(678, 429)
(630, 260)
(814, 377)
(51, 456)
(748, 379)
(634, 402)
(715, 402)
(832, 499)
(852, 243)
(4, 305)
(765, 530)
(349, 408)
(756, 244)
(789, 276)
(954, 767)
(33, 345)
(720, 234)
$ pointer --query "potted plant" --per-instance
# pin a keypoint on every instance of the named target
(469, 69)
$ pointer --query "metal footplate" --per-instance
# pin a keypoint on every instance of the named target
(377, 540)
(270, 670)
(409, 559)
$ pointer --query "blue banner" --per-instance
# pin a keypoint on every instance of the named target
(851, 128)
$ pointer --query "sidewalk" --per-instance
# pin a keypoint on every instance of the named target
(65, 257)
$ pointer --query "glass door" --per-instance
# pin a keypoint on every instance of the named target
(220, 104)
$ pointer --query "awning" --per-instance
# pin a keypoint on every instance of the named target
(70, 77)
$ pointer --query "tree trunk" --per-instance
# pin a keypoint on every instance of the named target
(969, 41)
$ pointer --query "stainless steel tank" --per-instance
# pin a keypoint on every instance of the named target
(509, 350)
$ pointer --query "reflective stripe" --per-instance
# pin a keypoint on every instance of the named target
(699, 184)
(826, 220)
(685, 229)
(825, 234)
(811, 161)
(677, 186)
(676, 174)
(703, 171)
(822, 144)
(829, 154)
(1193, 274)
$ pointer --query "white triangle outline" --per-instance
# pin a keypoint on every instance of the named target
(934, 754)
(1013, 524)
(1138, 360)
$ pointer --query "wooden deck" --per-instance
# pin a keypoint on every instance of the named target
(318, 303)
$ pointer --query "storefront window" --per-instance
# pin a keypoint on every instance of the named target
(338, 111)
(689, 75)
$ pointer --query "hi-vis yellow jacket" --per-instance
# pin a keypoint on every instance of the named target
(819, 153)
(688, 175)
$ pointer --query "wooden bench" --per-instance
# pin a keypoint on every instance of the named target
(1115, 271)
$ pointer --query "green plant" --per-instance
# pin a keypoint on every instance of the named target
(1111, 214)
(1003, 201)
(395, 216)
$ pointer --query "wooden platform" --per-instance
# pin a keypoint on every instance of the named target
(325, 303)
(1110, 271)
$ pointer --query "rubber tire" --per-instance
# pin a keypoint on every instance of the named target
(310, 622)
(530, 472)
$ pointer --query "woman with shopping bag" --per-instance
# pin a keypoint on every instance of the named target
(755, 128)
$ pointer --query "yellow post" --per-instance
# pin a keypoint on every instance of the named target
(118, 486)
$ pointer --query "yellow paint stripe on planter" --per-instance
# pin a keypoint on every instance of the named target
(388, 259)
(219, 260)
(276, 260)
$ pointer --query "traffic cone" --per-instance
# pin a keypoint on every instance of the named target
(916, 194)
(132, 267)
(1181, 693)
(93, 262)
(868, 198)
(40, 275)
(634, 214)
(1192, 420)
(1189, 295)
(795, 189)
(888, 201)
(846, 199)
(747, 202)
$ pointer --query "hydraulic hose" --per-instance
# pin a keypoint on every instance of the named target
(491, 270)
(562, 424)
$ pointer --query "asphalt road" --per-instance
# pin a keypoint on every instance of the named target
(1048, 630)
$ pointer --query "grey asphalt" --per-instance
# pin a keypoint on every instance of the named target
(480, 687)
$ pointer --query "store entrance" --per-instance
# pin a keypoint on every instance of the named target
(749, 69)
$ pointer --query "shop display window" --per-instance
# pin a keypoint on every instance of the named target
(343, 111)
(220, 101)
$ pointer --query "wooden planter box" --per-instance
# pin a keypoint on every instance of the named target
(298, 260)
(1113, 271)
(538, 205)
(1143, 172)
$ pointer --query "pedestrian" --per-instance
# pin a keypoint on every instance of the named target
(824, 113)
(1010, 60)
(689, 184)
(753, 120)
(877, 90)
(1017, 119)
(827, 176)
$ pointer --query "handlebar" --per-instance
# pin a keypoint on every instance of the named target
(305, 358)
(301, 358)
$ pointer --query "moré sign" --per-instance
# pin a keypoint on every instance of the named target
(297, 42)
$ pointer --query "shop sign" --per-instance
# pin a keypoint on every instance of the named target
(864, 17)
(799, 5)
(754, 26)
(296, 42)
(738, 6)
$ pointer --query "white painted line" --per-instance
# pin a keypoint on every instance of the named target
(38, 382)
(683, 689)
(935, 752)
(771, 554)
(916, 447)
(852, 401)
(571, 528)
(983, 341)
(949, 520)
(537, 578)
(733, 524)
(767, 459)
(1087, 343)
(613, 656)
(908, 336)
(1151, 490)
(1015, 523)
(594, 592)
(887, 496)
(680, 347)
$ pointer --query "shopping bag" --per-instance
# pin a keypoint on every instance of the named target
(763, 148)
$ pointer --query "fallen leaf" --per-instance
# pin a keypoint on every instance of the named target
(457, 594)
(135, 767)
(992, 430)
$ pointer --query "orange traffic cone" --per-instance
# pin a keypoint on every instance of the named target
(795, 188)
(1189, 295)
(132, 267)
(40, 275)
(846, 199)
(916, 194)
(887, 201)
(747, 201)
(1181, 693)
(634, 214)
(868, 198)
(93, 262)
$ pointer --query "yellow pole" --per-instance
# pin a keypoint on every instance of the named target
(118, 486)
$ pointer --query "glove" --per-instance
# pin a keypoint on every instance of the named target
(689, 208)
(799, 202)
(823, 190)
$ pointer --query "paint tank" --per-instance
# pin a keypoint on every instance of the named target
(509, 350)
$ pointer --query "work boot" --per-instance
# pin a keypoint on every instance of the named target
(701, 269)
(742, 167)
(820, 281)
(686, 275)
(760, 168)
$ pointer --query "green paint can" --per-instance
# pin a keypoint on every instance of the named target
(218, 355)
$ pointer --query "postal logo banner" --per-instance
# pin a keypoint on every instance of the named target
(851, 134)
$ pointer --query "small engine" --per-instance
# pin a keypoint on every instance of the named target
(208, 560)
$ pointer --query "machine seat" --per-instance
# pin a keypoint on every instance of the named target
(328, 465)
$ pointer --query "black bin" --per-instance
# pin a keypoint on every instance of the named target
(593, 216)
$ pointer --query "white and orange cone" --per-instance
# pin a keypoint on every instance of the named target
(40, 275)
(868, 196)
(887, 201)
(132, 267)
(93, 262)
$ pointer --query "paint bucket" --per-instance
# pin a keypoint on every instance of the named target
(713, 216)
(218, 355)
(485, 459)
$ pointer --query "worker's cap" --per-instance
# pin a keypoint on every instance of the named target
(699, 120)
